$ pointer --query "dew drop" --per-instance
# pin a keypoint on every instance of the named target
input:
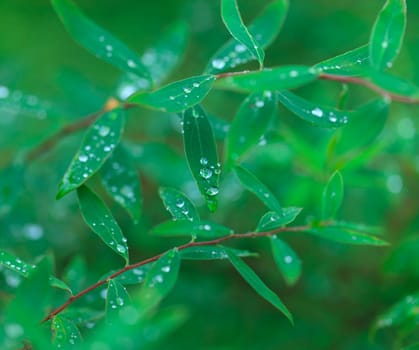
(196, 85)
(180, 203)
(165, 268)
(104, 130)
(131, 64)
(240, 48)
(83, 158)
(259, 103)
(120, 248)
(187, 90)
(203, 161)
(288, 259)
(218, 64)
(317, 112)
(212, 191)
(293, 73)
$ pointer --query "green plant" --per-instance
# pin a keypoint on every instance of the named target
(104, 172)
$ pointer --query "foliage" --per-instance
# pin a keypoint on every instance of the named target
(245, 169)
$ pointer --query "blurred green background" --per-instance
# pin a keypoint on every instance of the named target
(343, 288)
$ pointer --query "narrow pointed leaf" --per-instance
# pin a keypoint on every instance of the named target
(57, 283)
(275, 219)
(159, 281)
(121, 180)
(167, 52)
(332, 196)
(317, 115)
(202, 229)
(65, 333)
(99, 218)
(387, 34)
(116, 298)
(134, 276)
(287, 261)
(178, 96)
(257, 284)
(370, 118)
(275, 79)
(212, 253)
(346, 236)
(100, 140)
(264, 29)
(15, 264)
(201, 153)
(250, 124)
(234, 23)
(352, 63)
(252, 184)
(394, 84)
(179, 206)
(97, 40)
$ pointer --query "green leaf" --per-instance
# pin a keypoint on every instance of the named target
(134, 276)
(252, 184)
(159, 281)
(15, 264)
(121, 180)
(178, 96)
(100, 220)
(352, 63)
(201, 153)
(65, 333)
(393, 84)
(257, 284)
(211, 253)
(100, 139)
(160, 59)
(11, 186)
(332, 196)
(116, 298)
(346, 236)
(275, 219)
(165, 55)
(57, 283)
(369, 118)
(287, 261)
(250, 124)
(275, 79)
(387, 34)
(315, 114)
(402, 312)
(264, 29)
(179, 206)
(97, 40)
(202, 229)
(234, 23)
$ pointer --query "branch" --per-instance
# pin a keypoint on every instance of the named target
(77, 296)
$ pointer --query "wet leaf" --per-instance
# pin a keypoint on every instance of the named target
(264, 29)
(315, 114)
(275, 79)
(257, 284)
(232, 19)
(100, 140)
(211, 253)
(202, 229)
(65, 333)
(179, 206)
(355, 62)
(159, 281)
(116, 298)
(134, 276)
(250, 124)
(275, 219)
(252, 184)
(387, 34)
(97, 40)
(332, 196)
(393, 84)
(100, 220)
(57, 283)
(286, 260)
(346, 236)
(201, 153)
(177, 96)
(120, 178)
(15, 264)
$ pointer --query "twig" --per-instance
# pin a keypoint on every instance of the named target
(181, 247)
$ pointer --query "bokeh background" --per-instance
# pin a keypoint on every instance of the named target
(343, 289)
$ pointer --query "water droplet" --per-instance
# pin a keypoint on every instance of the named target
(131, 64)
(120, 248)
(4, 91)
(203, 161)
(317, 112)
(120, 301)
(218, 63)
(33, 231)
(109, 47)
(259, 103)
(180, 203)
(83, 158)
(240, 48)
(212, 191)
(333, 118)
(196, 85)
(293, 74)
(158, 278)
(187, 90)
(205, 173)
(104, 130)
(207, 227)
(106, 149)
(288, 259)
(384, 44)
(165, 268)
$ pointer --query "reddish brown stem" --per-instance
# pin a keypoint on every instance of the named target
(181, 247)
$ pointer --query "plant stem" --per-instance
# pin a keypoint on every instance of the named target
(181, 247)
